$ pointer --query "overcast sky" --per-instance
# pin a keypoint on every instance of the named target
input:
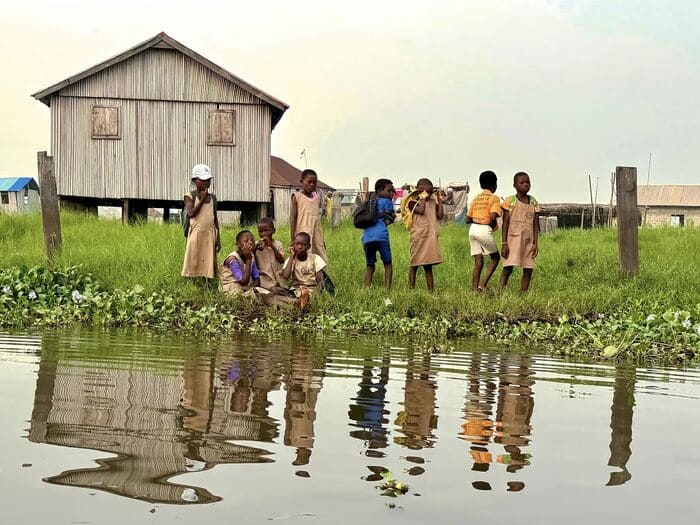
(560, 89)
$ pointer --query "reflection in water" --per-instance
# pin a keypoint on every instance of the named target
(368, 412)
(157, 425)
(621, 413)
(156, 415)
(418, 420)
(514, 406)
(303, 384)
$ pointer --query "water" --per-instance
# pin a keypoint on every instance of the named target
(113, 427)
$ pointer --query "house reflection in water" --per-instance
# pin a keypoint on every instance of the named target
(157, 423)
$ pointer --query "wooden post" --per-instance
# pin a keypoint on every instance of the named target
(612, 193)
(50, 216)
(125, 211)
(365, 188)
(166, 214)
(627, 220)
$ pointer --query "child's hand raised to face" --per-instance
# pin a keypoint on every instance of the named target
(247, 247)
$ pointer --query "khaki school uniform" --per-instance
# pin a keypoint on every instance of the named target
(521, 231)
(425, 230)
(200, 251)
(309, 221)
(304, 272)
(269, 267)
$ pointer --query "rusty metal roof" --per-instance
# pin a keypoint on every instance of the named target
(284, 175)
(669, 195)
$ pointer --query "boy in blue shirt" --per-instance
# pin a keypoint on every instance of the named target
(375, 238)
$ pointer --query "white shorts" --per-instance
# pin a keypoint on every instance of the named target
(481, 239)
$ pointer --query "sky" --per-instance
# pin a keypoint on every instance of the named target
(561, 89)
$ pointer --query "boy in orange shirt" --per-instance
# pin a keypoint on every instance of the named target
(483, 215)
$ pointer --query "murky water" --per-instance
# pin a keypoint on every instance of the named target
(123, 428)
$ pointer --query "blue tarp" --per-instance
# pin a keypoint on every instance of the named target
(14, 183)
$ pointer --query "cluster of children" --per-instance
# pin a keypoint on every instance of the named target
(260, 268)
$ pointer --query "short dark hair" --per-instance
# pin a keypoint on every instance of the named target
(241, 233)
(487, 179)
(423, 181)
(381, 184)
(519, 174)
(305, 236)
(307, 173)
(267, 222)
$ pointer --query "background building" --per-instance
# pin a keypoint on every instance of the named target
(126, 132)
(19, 195)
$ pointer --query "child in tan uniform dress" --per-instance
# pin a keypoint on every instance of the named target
(520, 231)
(425, 230)
(203, 242)
(306, 213)
(269, 256)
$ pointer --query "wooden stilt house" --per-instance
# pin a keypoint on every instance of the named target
(126, 132)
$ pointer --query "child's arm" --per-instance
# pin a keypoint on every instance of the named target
(504, 234)
(440, 211)
(293, 218)
(535, 234)
(278, 254)
(418, 207)
(320, 281)
(287, 270)
(191, 207)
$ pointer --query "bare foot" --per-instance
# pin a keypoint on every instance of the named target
(303, 300)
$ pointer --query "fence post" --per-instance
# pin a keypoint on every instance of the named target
(627, 219)
(50, 216)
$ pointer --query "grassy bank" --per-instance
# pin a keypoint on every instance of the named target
(577, 294)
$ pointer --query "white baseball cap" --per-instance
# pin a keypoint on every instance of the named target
(201, 172)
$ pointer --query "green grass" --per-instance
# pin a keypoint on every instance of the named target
(577, 272)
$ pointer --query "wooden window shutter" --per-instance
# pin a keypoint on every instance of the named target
(105, 122)
(222, 128)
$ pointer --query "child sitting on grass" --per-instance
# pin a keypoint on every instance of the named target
(238, 273)
(521, 228)
(269, 256)
(375, 238)
(304, 269)
(425, 229)
(483, 215)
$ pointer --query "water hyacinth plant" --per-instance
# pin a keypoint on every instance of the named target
(578, 304)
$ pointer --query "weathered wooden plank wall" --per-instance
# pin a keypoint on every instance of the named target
(160, 142)
(164, 99)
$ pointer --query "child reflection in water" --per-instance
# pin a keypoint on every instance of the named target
(303, 386)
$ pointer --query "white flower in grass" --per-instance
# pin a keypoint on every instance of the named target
(6, 290)
(650, 318)
(32, 295)
(387, 302)
(77, 296)
(601, 316)
(676, 315)
(686, 324)
(697, 329)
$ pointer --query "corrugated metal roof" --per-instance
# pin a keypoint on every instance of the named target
(163, 40)
(669, 195)
(16, 183)
(283, 174)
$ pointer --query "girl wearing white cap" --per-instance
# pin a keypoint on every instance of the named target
(203, 242)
